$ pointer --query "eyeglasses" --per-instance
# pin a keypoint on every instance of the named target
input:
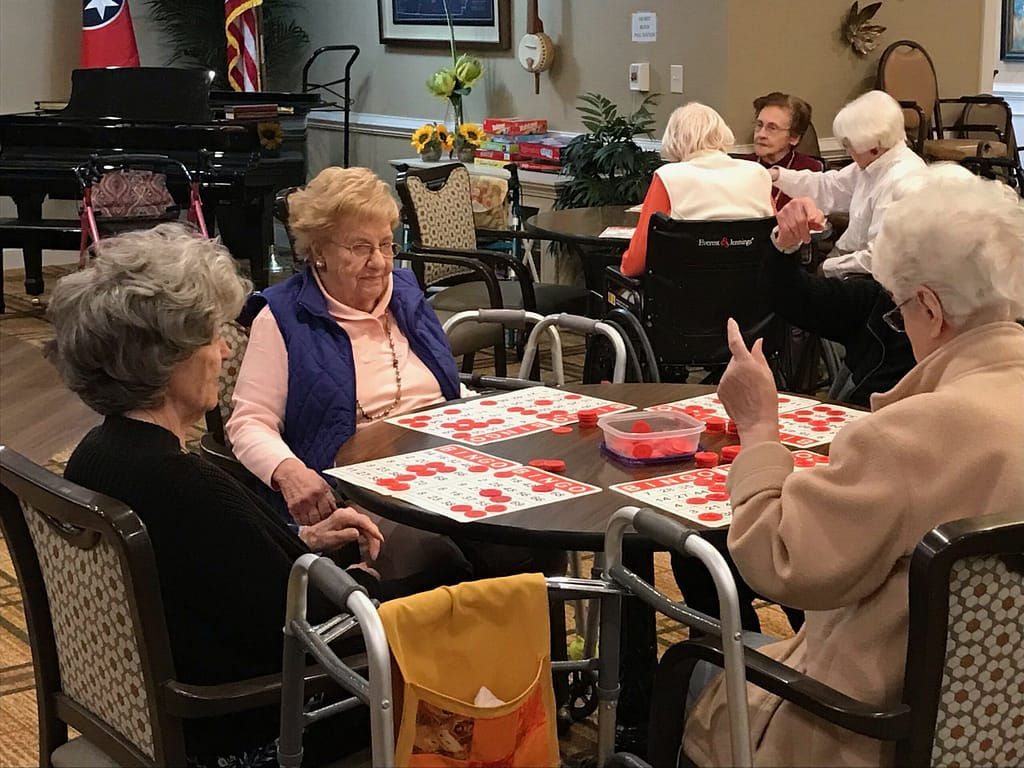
(894, 317)
(769, 127)
(366, 250)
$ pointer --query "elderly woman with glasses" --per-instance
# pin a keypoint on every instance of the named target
(136, 336)
(701, 181)
(942, 444)
(780, 122)
(872, 132)
(346, 342)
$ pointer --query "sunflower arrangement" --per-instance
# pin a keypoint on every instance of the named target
(453, 82)
(432, 138)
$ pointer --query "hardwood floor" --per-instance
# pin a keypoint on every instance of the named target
(39, 417)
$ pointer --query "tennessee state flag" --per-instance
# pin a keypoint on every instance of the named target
(108, 39)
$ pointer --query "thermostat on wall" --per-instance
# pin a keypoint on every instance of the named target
(640, 77)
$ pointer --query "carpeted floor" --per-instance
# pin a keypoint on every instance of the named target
(25, 319)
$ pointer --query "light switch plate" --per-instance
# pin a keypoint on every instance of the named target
(676, 78)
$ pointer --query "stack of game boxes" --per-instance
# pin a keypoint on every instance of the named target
(523, 141)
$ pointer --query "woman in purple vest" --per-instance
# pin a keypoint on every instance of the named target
(345, 343)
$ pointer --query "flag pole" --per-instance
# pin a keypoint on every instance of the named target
(261, 62)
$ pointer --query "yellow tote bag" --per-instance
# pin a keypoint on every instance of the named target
(446, 645)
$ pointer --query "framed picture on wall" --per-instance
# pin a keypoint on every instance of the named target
(1013, 30)
(478, 23)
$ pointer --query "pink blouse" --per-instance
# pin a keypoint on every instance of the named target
(254, 428)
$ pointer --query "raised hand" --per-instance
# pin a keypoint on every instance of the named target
(747, 390)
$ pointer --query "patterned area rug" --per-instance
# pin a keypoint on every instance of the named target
(18, 720)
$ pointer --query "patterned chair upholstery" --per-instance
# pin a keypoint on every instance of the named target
(963, 694)
(96, 626)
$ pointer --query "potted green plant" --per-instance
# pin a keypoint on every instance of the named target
(606, 165)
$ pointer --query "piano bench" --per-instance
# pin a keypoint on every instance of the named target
(53, 234)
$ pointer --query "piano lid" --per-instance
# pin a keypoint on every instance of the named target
(148, 94)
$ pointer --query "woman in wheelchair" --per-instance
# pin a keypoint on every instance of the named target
(135, 336)
(345, 343)
(944, 443)
(701, 181)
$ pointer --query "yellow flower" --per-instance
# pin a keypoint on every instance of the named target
(271, 135)
(444, 137)
(472, 133)
(422, 136)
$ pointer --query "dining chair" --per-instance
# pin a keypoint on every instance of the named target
(438, 208)
(962, 693)
(100, 648)
(906, 72)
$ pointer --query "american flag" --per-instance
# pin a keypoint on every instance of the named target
(241, 27)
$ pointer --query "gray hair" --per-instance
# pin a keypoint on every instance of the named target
(872, 120)
(693, 128)
(148, 300)
(961, 236)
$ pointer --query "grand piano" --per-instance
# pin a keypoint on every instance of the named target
(154, 110)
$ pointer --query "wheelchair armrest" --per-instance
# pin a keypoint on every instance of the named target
(482, 382)
(861, 717)
(615, 277)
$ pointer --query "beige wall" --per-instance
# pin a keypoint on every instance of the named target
(800, 51)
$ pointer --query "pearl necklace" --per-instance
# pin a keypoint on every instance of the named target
(398, 378)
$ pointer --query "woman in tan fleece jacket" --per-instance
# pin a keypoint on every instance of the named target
(946, 442)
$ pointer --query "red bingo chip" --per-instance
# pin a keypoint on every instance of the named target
(477, 468)
(399, 486)
(488, 402)
(717, 497)
(460, 508)
(504, 474)
(642, 451)
(640, 427)
(474, 513)
(730, 428)
(696, 500)
(562, 430)
(729, 452)
(551, 465)
(706, 459)
(714, 424)
(710, 517)
(490, 492)
(495, 508)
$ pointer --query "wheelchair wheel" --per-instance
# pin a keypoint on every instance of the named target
(582, 695)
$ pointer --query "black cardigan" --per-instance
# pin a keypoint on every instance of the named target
(223, 558)
(845, 311)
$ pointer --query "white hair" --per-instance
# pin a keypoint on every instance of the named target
(693, 128)
(872, 120)
(962, 237)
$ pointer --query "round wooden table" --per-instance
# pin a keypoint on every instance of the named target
(579, 229)
(574, 524)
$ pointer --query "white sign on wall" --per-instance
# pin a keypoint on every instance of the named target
(645, 27)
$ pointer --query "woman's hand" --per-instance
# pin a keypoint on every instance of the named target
(798, 220)
(342, 526)
(309, 497)
(748, 392)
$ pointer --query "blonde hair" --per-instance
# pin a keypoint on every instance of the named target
(693, 128)
(872, 120)
(962, 236)
(336, 193)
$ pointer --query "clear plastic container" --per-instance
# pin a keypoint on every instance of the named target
(651, 437)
